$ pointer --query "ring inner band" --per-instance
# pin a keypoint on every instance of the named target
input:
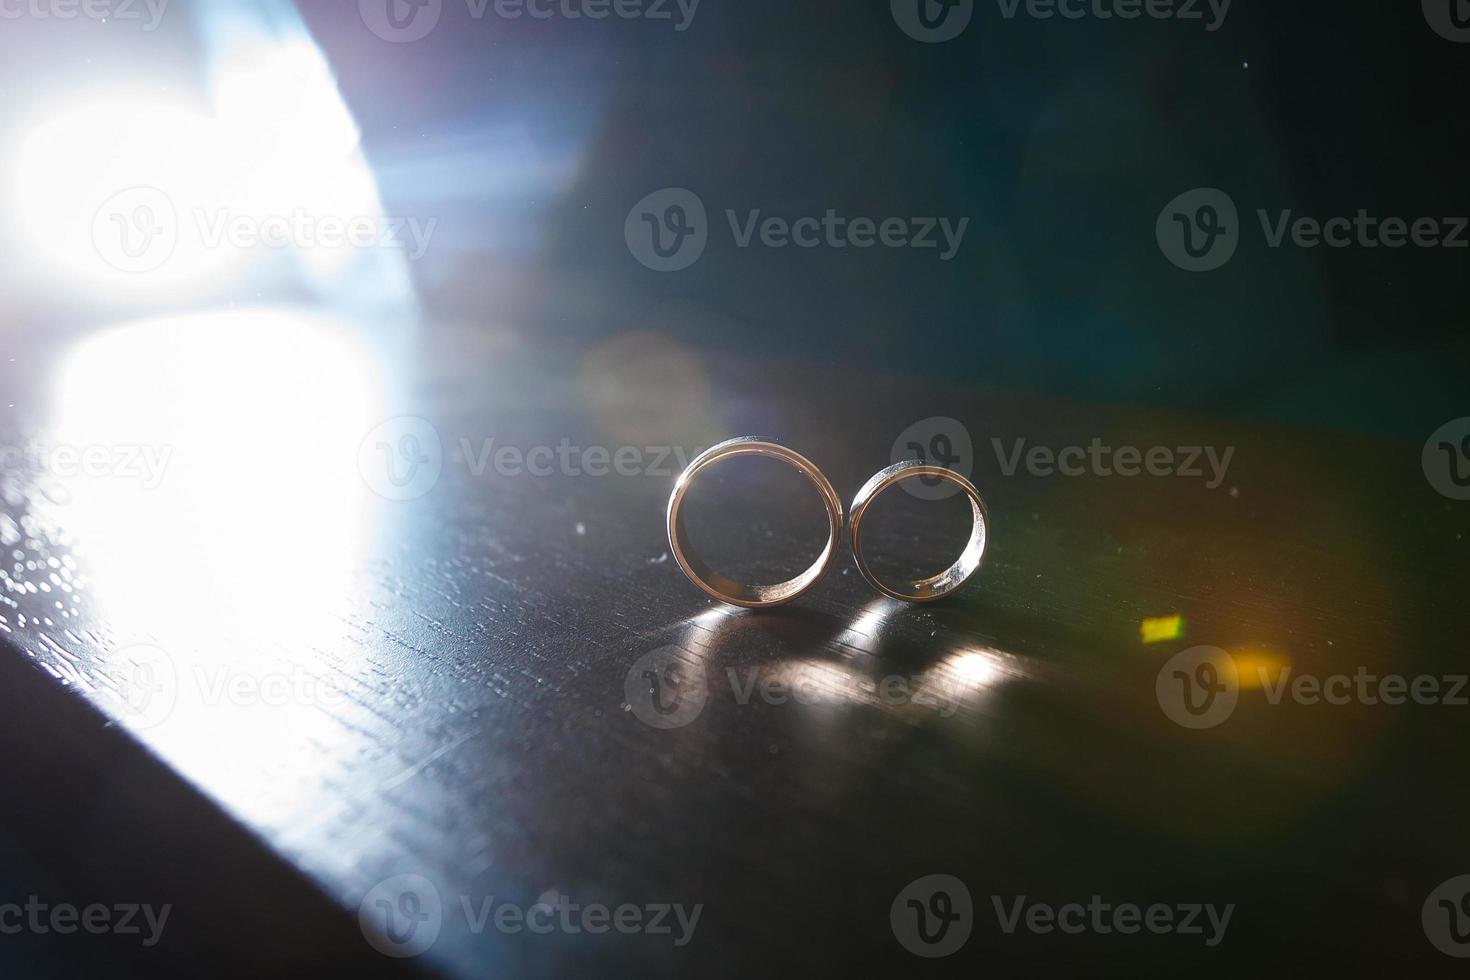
(935, 586)
(723, 587)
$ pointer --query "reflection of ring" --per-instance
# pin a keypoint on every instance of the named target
(726, 589)
(952, 577)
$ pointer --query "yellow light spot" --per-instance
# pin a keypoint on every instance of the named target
(1157, 629)
(1256, 668)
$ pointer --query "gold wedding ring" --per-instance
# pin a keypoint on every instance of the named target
(935, 586)
(727, 589)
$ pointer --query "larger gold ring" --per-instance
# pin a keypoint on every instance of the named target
(727, 589)
(935, 586)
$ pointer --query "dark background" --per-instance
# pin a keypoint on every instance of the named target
(1060, 140)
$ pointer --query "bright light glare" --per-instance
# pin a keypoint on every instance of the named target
(70, 167)
(973, 669)
(865, 634)
(140, 195)
(245, 495)
(242, 557)
(303, 144)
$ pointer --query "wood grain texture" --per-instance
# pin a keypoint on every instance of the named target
(458, 705)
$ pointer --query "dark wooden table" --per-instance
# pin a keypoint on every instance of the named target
(260, 689)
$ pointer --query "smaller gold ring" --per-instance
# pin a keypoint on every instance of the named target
(947, 581)
(727, 589)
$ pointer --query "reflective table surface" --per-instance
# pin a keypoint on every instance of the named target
(351, 639)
